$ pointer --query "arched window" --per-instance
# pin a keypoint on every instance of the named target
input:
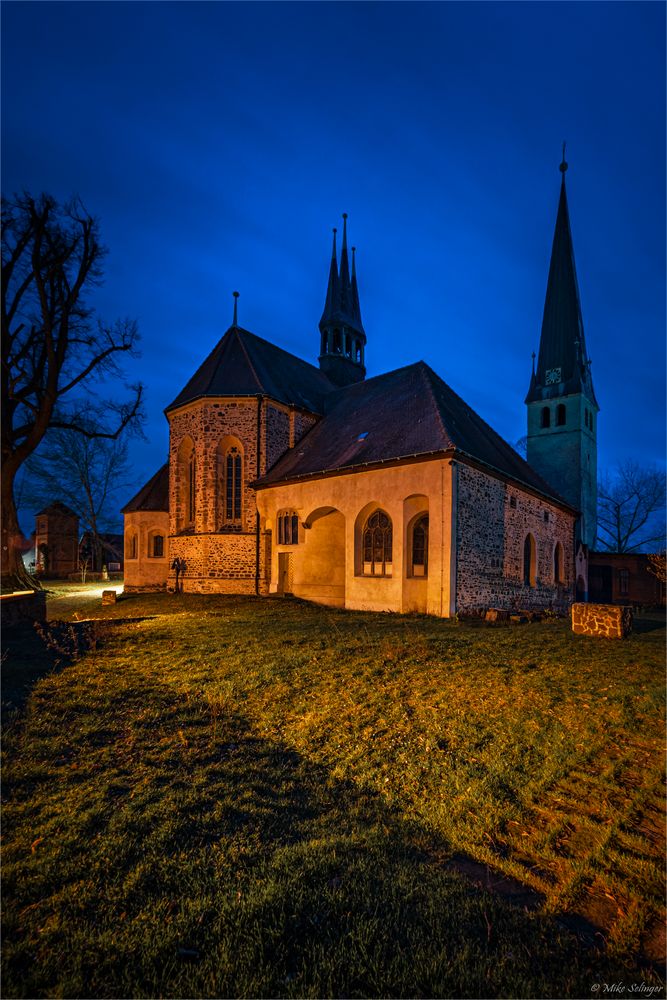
(156, 546)
(357, 352)
(546, 417)
(586, 419)
(337, 343)
(377, 544)
(288, 528)
(560, 415)
(348, 345)
(233, 473)
(419, 547)
(529, 561)
(559, 576)
(186, 484)
(131, 545)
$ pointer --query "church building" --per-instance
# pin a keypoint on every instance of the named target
(386, 494)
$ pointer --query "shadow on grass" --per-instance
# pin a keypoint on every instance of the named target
(181, 853)
(25, 661)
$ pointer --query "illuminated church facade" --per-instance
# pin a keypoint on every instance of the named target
(385, 494)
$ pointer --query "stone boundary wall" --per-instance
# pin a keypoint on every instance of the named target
(610, 621)
(23, 607)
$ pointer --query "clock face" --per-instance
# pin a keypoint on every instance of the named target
(553, 376)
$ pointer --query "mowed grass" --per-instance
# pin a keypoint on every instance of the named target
(244, 798)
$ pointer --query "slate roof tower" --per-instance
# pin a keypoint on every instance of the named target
(343, 339)
(562, 408)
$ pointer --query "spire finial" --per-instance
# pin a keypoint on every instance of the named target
(345, 230)
(533, 355)
(236, 299)
(354, 266)
(333, 251)
(563, 165)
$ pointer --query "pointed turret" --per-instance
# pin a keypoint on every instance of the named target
(562, 409)
(342, 335)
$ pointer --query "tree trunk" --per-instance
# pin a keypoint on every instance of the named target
(14, 575)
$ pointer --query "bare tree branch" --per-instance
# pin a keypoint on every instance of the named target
(631, 506)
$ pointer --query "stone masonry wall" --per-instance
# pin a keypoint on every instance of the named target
(490, 542)
(219, 558)
(610, 621)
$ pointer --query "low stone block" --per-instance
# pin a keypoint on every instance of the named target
(610, 621)
(108, 597)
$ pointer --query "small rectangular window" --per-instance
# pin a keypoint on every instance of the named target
(512, 501)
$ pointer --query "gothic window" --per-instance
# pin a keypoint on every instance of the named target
(419, 547)
(546, 417)
(192, 487)
(233, 484)
(377, 544)
(357, 352)
(529, 561)
(558, 564)
(337, 343)
(560, 415)
(186, 484)
(348, 346)
(288, 528)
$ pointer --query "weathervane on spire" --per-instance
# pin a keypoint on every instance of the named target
(563, 165)
(236, 298)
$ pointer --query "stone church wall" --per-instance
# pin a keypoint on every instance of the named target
(493, 519)
(143, 571)
(224, 561)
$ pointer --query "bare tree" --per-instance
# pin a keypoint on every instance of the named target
(657, 565)
(54, 351)
(87, 474)
(631, 506)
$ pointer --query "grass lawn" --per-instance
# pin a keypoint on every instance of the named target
(235, 797)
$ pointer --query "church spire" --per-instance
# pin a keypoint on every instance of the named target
(562, 363)
(342, 335)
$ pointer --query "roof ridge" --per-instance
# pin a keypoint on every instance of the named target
(283, 350)
(248, 359)
(425, 371)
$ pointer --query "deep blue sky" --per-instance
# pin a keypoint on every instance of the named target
(219, 143)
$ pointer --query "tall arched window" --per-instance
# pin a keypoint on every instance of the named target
(546, 417)
(357, 351)
(560, 415)
(155, 545)
(558, 563)
(529, 561)
(186, 484)
(377, 544)
(233, 484)
(337, 343)
(419, 547)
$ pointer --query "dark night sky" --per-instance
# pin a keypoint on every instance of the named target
(219, 143)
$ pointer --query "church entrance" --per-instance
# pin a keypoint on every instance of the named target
(285, 573)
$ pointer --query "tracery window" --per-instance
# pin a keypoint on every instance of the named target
(419, 547)
(192, 487)
(377, 544)
(288, 528)
(233, 484)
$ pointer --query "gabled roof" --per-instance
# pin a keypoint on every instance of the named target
(404, 414)
(154, 495)
(242, 364)
(562, 343)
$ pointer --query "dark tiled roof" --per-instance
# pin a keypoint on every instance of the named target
(562, 343)
(154, 495)
(242, 364)
(58, 507)
(406, 413)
